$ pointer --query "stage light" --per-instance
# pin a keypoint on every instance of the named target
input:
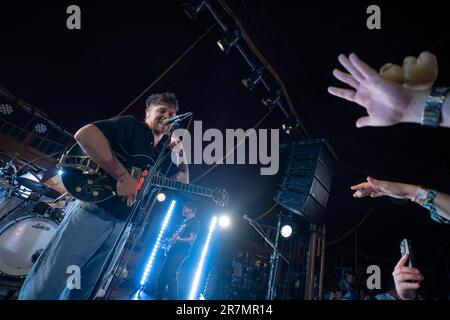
(161, 197)
(227, 42)
(271, 101)
(151, 259)
(193, 8)
(253, 79)
(60, 172)
(199, 271)
(224, 221)
(286, 231)
(287, 128)
(40, 128)
(6, 109)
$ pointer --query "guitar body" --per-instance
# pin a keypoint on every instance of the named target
(87, 181)
(168, 245)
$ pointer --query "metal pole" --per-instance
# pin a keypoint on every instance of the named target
(322, 259)
(356, 265)
(274, 265)
(311, 264)
(215, 15)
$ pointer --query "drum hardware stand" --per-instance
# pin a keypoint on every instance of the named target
(59, 198)
(101, 281)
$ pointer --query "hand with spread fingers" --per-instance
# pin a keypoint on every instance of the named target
(407, 280)
(387, 103)
(396, 94)
(416, 73)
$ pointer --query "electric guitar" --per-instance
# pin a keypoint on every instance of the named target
(167, 245)
(87, 181)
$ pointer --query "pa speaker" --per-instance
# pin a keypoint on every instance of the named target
(306, 183)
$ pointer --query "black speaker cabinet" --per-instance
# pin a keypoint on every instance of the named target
(306, 183)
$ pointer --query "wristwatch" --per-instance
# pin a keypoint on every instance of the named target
(431, 116)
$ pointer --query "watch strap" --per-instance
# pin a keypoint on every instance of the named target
(431, 116)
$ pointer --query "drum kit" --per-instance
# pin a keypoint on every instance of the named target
(30, 213)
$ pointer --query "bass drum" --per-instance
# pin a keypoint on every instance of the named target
(21, 243)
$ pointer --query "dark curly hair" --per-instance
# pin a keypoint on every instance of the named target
(190, 205)
(165, 99)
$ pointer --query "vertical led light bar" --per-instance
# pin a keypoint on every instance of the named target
(198, 273)
(149, 265)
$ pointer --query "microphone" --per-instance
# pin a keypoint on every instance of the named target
(177, 118)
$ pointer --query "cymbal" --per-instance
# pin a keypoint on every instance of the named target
(38, 187)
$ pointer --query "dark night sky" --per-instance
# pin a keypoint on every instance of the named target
(80, 76)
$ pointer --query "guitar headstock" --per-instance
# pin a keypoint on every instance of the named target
(220, 197)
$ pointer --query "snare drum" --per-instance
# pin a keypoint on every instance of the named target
(22, 241)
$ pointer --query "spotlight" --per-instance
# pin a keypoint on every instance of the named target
(253, 79)
(271, 101)
(227, 42)
(224, 221)
(60, 172)
(193, 8)
(287, 128)
(40, 128)
(286, 231)
(161, 197)
(6, 109)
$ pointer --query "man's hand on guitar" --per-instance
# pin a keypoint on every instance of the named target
(126, 188)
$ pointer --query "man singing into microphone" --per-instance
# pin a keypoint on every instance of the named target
(74, 260)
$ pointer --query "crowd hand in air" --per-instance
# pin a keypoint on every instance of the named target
(377, 188)
(387, 102)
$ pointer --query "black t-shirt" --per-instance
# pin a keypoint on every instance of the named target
(189, 226)
(128, 136)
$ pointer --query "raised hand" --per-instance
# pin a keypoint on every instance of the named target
(386, 102)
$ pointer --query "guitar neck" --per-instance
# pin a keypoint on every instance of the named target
(177, 185)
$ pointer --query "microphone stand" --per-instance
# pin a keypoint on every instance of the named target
(146, 188)
(274, 258)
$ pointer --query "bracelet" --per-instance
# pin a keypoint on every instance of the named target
(421, 196)
(429, 204)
